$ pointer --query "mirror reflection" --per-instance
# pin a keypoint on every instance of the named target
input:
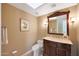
(58, 24)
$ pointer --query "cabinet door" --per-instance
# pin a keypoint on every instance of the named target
(49, 48)
(52, 51)
(68, 52)
(45, 48)
(63, 49)
(61, 52)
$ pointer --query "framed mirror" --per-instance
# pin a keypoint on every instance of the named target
(58, 23)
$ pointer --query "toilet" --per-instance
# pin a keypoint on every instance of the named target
(38, 48)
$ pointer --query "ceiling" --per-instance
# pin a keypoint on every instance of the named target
(35, 5)
(39, 9)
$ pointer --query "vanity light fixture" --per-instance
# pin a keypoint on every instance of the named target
(73, 19)
(45, 23)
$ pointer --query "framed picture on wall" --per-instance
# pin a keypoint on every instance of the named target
(24, 25)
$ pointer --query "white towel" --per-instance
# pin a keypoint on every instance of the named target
(4, 35)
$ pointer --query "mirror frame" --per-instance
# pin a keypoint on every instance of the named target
(58, 14)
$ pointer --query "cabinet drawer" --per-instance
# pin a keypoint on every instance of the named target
(53, 44)
(63, 46)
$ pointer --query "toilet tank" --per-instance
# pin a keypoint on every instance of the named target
(40, 42)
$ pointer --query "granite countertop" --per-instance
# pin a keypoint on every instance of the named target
(60, 40)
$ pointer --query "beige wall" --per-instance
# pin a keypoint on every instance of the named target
(23, 41)
(78, 27)
(0, 28)
(42, 29)
(20, 41)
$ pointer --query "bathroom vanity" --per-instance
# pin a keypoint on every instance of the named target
(57, 25)
(56, 47)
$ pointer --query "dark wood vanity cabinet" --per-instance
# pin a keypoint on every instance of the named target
(56, 49)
